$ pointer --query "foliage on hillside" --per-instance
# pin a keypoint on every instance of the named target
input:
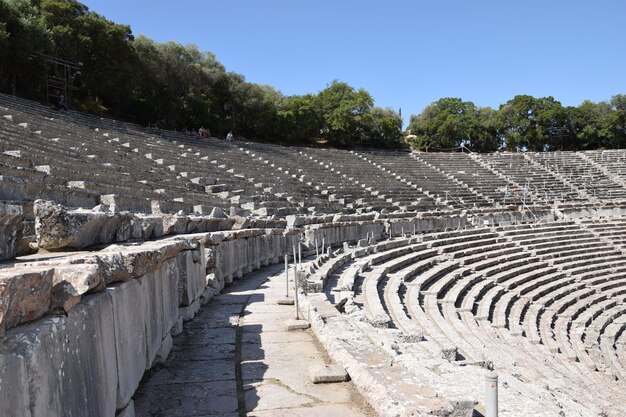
(172, 85)
(524, 122)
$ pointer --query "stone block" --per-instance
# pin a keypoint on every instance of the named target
(192, 278)
(174, 224)
(70, 282)
(297, 325)
(62, 366)
(24, 295)
(129, 306)
(164, 351)
(178, 327)
(189, 312)
(14, 391)
(10, 230)
(323, 374)
(128, 411)
(56, 227)
(152, 287)
(145, 227)
(170, 295)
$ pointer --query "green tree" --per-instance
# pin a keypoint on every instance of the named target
(383, 128)
(343, 113)
(298, 118)
(529, 122)
(103, 48)
(446, 123)
(484, 135)
(22, 38)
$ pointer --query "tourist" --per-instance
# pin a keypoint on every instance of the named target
(59, 104)
(229, 137)
(202, 132)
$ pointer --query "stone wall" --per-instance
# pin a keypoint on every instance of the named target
(82, 344)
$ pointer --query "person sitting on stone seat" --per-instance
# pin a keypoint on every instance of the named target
(203, 133)
(59, 104)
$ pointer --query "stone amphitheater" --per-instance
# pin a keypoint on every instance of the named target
(419, 273)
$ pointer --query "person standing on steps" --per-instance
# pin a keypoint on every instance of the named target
(229, 137)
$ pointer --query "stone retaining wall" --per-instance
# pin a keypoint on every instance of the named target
(82, 330)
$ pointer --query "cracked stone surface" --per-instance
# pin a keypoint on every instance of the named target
(237, 359)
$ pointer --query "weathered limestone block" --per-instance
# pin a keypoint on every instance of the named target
(337, 233)
(129, 307)
(353, 217)
(174, 224)
(187, 313)
(117, 264)
(192, 278)
(70, 283)
(178, 327)
(170, 294)
(146, 227)
(10, 230)
(24, 295)
(118, 227)
(152, 288)
(14, 391)
(128, 411)
(218, 213)
(164, 351)
(215, 224)
(56, 227)
(61, 366)
(241, 222)
(162, 306)
(298, 221)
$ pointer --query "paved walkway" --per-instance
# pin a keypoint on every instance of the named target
(236, 359)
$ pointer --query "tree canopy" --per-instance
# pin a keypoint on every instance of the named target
(177, 86)
(524, 123)
(172, 85)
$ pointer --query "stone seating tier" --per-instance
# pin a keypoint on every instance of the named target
(523, 296)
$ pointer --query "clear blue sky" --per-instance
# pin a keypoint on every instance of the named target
(407, 54)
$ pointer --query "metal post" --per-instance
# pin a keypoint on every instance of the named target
(491, 394)
(323, 242)
(299, 255)
(295, 287)
(287, 274)
(317, 254)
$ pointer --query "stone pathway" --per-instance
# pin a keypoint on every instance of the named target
(236, 359)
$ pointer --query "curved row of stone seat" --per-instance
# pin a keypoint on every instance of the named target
(384, 186)
(427, 179)
(288, 177)
(439, 319)
(170, 162)
(554, 280)
(78, 169)
(531, 179)
(410, 336)
(609, 161)
(478, 178)
(581, 172)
